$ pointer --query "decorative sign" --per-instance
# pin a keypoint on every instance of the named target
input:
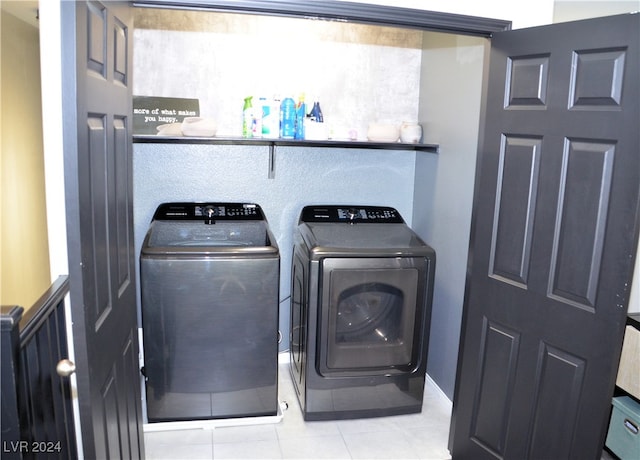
(151, 112)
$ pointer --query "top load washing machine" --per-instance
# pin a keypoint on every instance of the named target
(362, 286)
(209, 275)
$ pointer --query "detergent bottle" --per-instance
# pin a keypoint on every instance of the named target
(287, 118)
(247, 117)
(301, 113)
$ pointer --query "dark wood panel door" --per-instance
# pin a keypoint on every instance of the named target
(97, 65)
(553, 242)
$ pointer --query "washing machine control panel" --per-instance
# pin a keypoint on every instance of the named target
(208, 211)
(351, 214)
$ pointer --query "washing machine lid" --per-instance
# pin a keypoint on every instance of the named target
(208, 229)
(222, 238)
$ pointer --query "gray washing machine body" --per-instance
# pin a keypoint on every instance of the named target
(209, 288)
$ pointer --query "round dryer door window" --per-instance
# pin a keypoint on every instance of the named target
(369, 313)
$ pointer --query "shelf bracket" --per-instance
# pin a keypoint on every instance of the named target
(272, 161)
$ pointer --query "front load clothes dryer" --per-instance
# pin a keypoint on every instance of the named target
(209, 288)
(362, 286)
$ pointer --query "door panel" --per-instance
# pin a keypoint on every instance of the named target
(514, 213)
(553, 241)
(98, 187)
(498, 351)
(556, 397)
(580, 221)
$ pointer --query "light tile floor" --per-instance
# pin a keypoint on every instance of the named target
(416, 436)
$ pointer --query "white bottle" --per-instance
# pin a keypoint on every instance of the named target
(256, 125)
(270, 118)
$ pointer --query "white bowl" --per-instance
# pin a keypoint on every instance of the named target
(200, 127)
(410, 132)
(170, 129)
(382, 132)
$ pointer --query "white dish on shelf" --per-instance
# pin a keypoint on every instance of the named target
(382, 132)
(382, 139)
(170, 129)
(199, 127)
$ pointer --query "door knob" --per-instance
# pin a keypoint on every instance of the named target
(65, 368)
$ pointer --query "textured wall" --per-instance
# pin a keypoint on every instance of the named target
(165, 172)
(359, 73)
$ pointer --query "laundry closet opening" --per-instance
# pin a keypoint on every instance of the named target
(360, 74)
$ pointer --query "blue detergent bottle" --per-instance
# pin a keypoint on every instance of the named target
(301, 113)
(287, 118)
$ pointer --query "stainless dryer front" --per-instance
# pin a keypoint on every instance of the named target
(362, 286)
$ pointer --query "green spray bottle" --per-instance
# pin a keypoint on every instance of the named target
(247, 118)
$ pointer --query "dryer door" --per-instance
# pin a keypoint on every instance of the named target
(372, 315)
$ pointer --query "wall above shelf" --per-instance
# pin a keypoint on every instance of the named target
(153, 139)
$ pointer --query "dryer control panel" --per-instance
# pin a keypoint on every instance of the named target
(351, 214)
(208, 211)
